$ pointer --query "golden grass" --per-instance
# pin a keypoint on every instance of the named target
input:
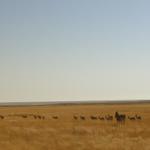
(66, 133)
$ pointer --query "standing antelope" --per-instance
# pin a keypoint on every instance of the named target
(120, 117)
(101, 118)
(75, 117)
(93, 117)
(138, 117)
(82, 117)
(131, 118)
(109, 117)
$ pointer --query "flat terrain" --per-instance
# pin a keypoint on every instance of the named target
(71, 127)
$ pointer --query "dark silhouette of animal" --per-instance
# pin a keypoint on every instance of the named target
(39, 117)
(75, 117)
(131, 118)
(24, 116)
(1, 117)
(120, 117)
(55, 117)
(138, 117)
(35, 116)
(109, 117)
(82, 117)
(93, 117)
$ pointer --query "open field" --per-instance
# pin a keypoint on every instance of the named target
(59, 127)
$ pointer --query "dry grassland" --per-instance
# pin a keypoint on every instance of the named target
(67, 133)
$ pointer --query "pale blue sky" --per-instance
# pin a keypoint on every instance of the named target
(74, 50)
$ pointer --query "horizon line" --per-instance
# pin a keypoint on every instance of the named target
(75, 102)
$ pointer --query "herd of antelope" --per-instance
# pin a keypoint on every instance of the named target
(117, 116)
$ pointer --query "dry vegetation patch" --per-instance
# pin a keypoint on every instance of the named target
(60, 130)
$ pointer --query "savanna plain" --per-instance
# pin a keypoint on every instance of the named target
(75, 127)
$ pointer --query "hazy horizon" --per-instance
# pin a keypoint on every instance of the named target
(74, 50)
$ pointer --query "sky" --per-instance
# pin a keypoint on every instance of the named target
(74, 50)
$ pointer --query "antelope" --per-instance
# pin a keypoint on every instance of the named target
(75, 117)
(55, 117)
(82, 117)
(120, 117)
(109, 117)
(1, 117)
(93, 117)
(138, 117)
(101, 118)
(131, 118)
(24, 116)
